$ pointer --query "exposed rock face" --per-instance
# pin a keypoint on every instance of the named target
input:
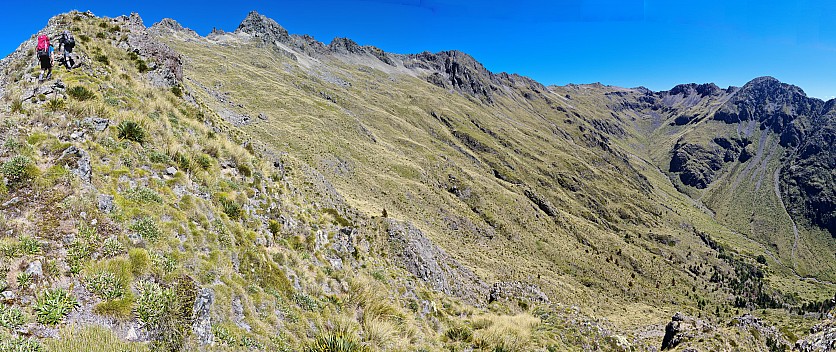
(170, 26)
(459, 70)
(681, 329)
(541, 202)
(105, 203)
(78, 157)
(774, 105)
(510, 291)
(202, 326)
(809, 179)
(166, 65)
(774, 339)
(696, 165)
(822, 338)
(418, 255)
(265, 28)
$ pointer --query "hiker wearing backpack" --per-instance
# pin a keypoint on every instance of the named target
(66, 44)
(44, 52)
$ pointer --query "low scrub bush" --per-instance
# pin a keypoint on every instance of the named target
(143, 195)
(18, 169)
(147, 228)
(20, 344)
(166, 312)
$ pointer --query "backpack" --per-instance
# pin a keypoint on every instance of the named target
(43, 44)
(69, 41)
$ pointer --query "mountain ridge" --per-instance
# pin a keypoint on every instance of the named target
(307, 192)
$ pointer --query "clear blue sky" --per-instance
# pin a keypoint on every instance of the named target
(654, 43)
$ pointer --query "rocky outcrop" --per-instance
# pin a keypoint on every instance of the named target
(348, 46)
(776, 106)
(460, 71)
(421, 257)
(682, 328)
(168, 26)
(696, 165)
(261, 26)
(517, 291)
(166, 65)
(822, 338)
(809, 180)
(773, 338)
(202, 326)
(78, 160)
(541, 202)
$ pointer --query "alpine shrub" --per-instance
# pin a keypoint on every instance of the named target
(132, 131)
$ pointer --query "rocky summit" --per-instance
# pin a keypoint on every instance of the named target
(262, 190)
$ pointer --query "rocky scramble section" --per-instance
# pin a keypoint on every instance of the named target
(419, 256)
(822, 338)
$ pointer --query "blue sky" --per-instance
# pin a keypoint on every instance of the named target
(654, 43)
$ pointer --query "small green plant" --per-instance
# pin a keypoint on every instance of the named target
(230, 208)
(177, 90)
(305, 302)
(163, 262)
(77, 253)
(20, 344)
(157, 157)
(55, 105)
(29, 245)
(459, 333)
(143, 195)
(53, 306)
(204, 161)
(141, 66)
(223, 335)
(147, 228)
(17, 106)
(11, 318)
(166, 312)
(23, 279)
(102, 58)
(112, 247)
(41, 97)
(3, 284)
(105, 285)
(340, 341)
(132, 131)
(183, 161)
(80, 93)
(18, 169)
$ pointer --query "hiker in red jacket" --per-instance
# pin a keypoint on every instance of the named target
(44, 52)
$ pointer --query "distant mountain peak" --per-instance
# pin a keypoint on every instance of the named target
(262, 26)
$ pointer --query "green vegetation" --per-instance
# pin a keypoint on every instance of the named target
(80, 93)
(105, 285)
(11, 318)
(18, 169)
(131, 131)
(53, 305)
(147, 228)
(542, 189)
(339, 341)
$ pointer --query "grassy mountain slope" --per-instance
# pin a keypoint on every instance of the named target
(278, 193)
